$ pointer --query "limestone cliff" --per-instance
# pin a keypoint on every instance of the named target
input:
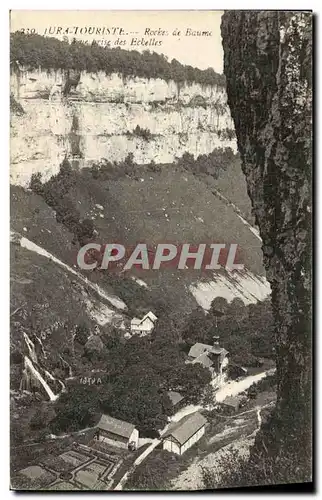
(268, 71)
(91, 116)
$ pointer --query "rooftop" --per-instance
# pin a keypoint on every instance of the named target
(115, 426)
(137, 322)
(175, 397)
(233, 401)
(204, 360)
(186, 427)
(199, 348)
(151, 316)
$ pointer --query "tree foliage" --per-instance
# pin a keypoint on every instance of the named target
(260, 469)
(136, 376)
(55, 193)
(208, 164)
(247, 332)
(75, 409)
(50, 53)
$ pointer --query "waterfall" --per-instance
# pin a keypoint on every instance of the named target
(49, 375)
(29, 367)
(42, 346)
(31, 371)
(70, 374)
(31, 348)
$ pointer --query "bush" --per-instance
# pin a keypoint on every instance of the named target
(155, 472)
(55, 194)
(267, 384)
(35, 184)
(142, 132)
(211, 164)
(37, 421)
(15, 107)
(82, 334)
(154, 167)
(252, 391)
(236, 471)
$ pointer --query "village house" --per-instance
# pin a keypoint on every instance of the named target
(183, 434)
(232, 404)
(212, 357)
(143, 326)
(117, 432)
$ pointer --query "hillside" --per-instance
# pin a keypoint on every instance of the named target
(127, 158)
(167, 206)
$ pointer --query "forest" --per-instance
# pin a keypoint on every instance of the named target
(35, 51)
(136, 374)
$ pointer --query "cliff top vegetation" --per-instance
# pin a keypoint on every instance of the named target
(50, 53)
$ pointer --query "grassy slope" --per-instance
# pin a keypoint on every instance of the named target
(31, 212)
(135, 210)
(234, 187)
(51, 301)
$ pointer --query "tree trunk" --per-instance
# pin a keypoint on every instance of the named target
(267, 63)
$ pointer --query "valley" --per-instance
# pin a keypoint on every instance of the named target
(124, 159)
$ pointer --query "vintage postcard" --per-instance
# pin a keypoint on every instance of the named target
(160, 305)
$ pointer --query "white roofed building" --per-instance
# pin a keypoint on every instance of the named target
(117, 432)
(183, 434)
(213, 357)
(143, 326)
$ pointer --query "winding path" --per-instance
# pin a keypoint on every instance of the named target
(231, 388)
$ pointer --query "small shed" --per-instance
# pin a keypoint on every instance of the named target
(183, 434)
(117, 432)
(232, 403)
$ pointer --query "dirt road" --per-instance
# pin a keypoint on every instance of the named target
(237, 434)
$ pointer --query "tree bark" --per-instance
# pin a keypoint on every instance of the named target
(267, 63)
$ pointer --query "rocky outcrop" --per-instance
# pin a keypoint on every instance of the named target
(91, 116)
(268, 71)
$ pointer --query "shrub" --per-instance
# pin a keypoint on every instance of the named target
(211, 164)
(82, 334)
(142, 132)
(252, 391)
(37, 421)
(55, 194)
(154, 473)
(35, 184)
(235, 471)
(154, 167)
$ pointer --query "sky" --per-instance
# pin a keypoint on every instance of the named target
(180, 42)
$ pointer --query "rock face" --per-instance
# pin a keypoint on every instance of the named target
(268, 71)
(91, 116)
